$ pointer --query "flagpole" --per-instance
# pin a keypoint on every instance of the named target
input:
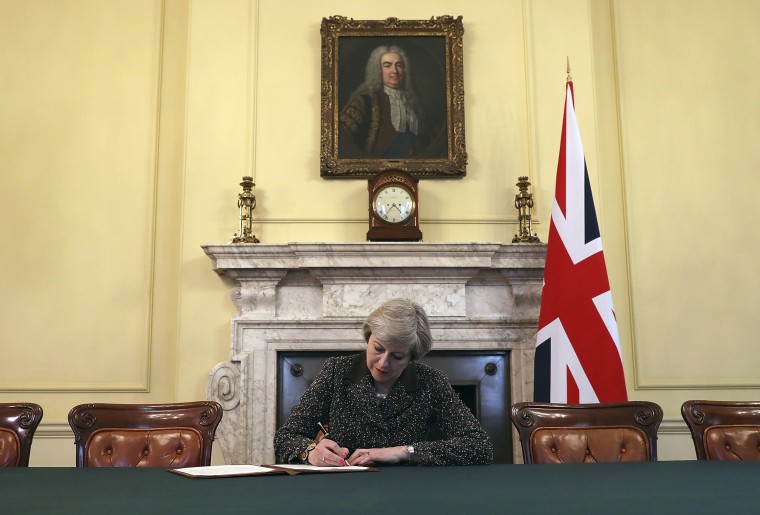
(569, 77)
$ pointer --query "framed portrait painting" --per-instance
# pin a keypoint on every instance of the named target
(392, 97)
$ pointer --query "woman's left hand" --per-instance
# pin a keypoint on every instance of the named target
(369, 457)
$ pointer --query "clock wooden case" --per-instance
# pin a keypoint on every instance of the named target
(393, 207)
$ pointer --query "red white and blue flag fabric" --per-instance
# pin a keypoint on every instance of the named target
(578, 356)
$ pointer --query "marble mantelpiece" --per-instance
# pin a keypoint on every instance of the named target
(314, 296)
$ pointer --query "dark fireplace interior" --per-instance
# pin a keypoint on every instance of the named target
(481, 378)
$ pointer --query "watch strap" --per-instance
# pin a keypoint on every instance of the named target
(410, 451)
(305, 454)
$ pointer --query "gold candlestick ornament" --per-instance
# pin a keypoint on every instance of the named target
(524, 205)
(246, 204)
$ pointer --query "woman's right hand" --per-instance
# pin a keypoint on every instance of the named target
(328, 454)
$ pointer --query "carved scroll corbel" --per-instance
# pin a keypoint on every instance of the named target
(257, 296)
(226, 386)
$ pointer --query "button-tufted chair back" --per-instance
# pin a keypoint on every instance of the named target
(144, 435)
(587, 433)
(18, 422)
(724, 430)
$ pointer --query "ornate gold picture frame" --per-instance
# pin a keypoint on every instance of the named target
(392, 97)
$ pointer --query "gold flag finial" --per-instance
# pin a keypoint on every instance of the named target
(569, 77)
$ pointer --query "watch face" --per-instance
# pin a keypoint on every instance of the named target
(393, 204)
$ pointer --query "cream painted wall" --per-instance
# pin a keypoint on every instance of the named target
(689, 107)
(126, 126)
(62, 116)
(89, 283)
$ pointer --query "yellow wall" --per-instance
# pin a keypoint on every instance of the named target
(126, 125)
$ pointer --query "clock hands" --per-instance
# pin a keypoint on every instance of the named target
(402, 213)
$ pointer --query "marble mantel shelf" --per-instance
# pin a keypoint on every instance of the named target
(239, 259)
(313, 296)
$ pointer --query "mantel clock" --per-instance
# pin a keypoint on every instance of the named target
(393, 207)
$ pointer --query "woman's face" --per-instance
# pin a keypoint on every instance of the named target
(385, 362)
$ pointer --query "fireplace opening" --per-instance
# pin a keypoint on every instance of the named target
(481, 378)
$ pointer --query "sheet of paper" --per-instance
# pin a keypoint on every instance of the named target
(223, 470)
(314, 468)
(260, 470)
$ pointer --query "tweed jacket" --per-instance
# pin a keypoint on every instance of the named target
(421, 400)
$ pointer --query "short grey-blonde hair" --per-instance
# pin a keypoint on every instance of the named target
(400, 322)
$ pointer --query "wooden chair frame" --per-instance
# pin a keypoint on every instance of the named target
(645, 416)
(701, 415)
(202, 416)
(22, 418)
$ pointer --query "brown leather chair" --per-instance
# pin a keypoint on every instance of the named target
(587, 433)
(144, 435)
(18, 422)
(724, 430)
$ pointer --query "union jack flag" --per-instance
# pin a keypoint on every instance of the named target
(578, 356)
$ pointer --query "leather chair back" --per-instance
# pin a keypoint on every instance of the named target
(145, 435)
(724, 430)
(18, 422)
(587, 433)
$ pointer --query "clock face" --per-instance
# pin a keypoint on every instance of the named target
(393, 204)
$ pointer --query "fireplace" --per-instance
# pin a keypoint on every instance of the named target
(298, 303)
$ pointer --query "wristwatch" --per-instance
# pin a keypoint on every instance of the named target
(305, 454)
(410, 450)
